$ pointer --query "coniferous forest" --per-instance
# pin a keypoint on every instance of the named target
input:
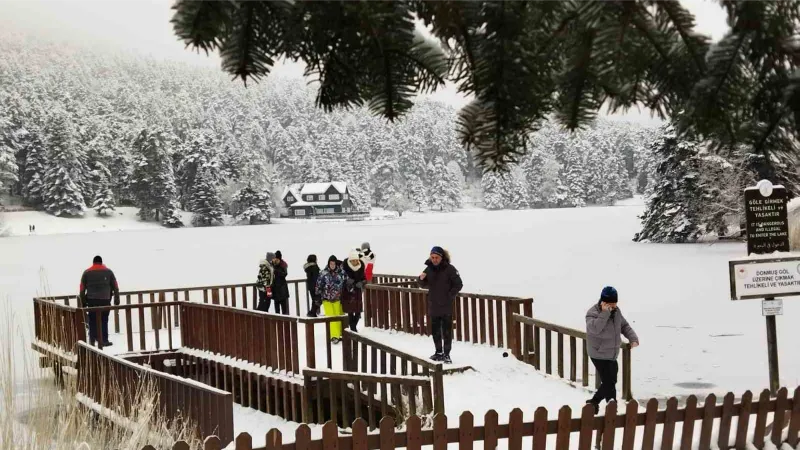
(82, 132)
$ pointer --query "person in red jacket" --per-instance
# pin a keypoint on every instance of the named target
(98, 284)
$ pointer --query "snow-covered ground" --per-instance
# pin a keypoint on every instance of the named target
(676, 296)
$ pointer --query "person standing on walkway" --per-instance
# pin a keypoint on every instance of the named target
(312, 274)
(443, 282)
(329, 288)
(353, 285)
(280, 287)
(604, 325)
(98, 285)
(266, 274)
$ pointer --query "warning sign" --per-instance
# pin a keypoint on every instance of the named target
(764, 278)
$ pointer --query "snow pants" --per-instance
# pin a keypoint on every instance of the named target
(442, 332)
(93, 331)
(333, 308)
(607, 371)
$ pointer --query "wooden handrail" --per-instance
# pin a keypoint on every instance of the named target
(410, 380)
(131, 306)
(380, 287)
(557, 328)
(416, 360)
(247, 312)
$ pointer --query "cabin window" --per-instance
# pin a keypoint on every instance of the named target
(299, 212)
(321, 197)
(334, 197)
(289, 198)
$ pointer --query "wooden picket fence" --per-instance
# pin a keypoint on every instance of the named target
(770, 420)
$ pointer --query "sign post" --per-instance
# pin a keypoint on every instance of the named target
(767, 232)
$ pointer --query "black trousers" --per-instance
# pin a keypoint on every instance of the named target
(281, 306)
(442, 331)
(94, 333)
(607, 371)
(353, 319)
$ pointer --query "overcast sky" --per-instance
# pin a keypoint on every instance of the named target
(143, 26)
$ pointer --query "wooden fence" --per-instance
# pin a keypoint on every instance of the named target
(362, 354)
(379, 392)
(57, 328)
(759, 422)
(533, 349)
(266, 339)
(477, 318)
(113, 383)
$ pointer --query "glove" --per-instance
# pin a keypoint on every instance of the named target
(116, 301)
(269, 292)
(360, 285)
(349, 282)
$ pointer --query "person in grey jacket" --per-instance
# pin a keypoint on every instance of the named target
(604, 325)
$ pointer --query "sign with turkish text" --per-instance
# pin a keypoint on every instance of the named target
(764, 278)
(767, 224)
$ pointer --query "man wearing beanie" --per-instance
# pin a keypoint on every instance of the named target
(604, 325)
(280, 287)
(443, 283)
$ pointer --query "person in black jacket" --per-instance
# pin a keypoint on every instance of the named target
(280, 287)
(98, 284)
(312, 274)
(443, 283)
(354, 282)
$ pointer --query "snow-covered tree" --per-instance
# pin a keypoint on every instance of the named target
(252, 206)
(152, 180)
(34, 168)
(104, 203)
(8, 167)
(62, 193)
(206, 203)
(445, 191)
(399, 204)
(675, 207)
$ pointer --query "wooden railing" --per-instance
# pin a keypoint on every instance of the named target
(364, 355)
(477, 318)
(716, 425)
(262, 338)
(533, 349)
(271, 340)
(57, 326)
(113, 383)
(348, 391)
(244, 296)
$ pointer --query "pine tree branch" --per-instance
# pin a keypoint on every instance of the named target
(683, 22)
(202, 24)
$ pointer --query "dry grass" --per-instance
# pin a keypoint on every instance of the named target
(36, 414)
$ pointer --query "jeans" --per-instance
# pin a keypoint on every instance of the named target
(607, 371)
(442, 330)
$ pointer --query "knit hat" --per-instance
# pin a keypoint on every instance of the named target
(355, 254)
(278, 254)
(438, 251)
(609, 295)
(311, 258)
(365, 246)
(97, 260)
(270, 256)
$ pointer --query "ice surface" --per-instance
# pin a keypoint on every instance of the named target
(675, 296)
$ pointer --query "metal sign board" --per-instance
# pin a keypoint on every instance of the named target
(766, 220)
(764, 278)
(772, 307)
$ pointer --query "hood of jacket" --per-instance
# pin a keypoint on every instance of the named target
(307, 266)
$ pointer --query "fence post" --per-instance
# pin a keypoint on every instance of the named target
(347, 351)
(438, 389)
(186, 325)
(311, 347)
(512, 328)
(626, 373)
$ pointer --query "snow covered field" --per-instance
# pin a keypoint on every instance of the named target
(676, 296)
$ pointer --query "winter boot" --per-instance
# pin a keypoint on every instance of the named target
(446, 359)
(595, 405)
(437, 357)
